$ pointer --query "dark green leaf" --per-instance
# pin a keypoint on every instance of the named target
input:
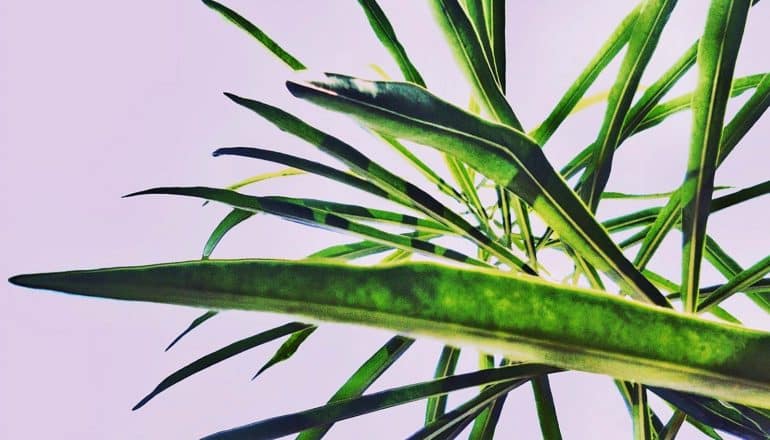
(255, 32)
(231, 350)
(196, 322)
(287, 349)
(505, 155)
(363, 378)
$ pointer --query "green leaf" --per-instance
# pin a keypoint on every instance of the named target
(505, 155)
(746, 117)
(675, 105)
(572, 96)
(643, 40)
(387, 36)
(369, 214)
(397, 188)
(359, 249)
(287, 349)
(447, 362)
(717, 53)
(465, 43)
(494, 11)
(227, 352)
(231, 220)
(255, 32)
(546, 410)
(313, 217)
(363, 378)
(196, 322)
(738, 420)
(336, 411)
(519, 315)
(452, 419)
(305, 165)
(738, 283)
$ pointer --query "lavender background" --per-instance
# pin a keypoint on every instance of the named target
(99, 99)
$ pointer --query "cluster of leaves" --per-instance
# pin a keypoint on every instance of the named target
(712, 372)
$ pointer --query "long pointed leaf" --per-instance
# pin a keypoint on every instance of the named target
(644, 38)
(387, 36)
(313, 217)
(464, 40)
(336, 411)
(507, 156)
(520, 316)
(220, 355)
(287, 349)
(717, 53)
(196, 322)
(255, 32)
(363, 378)
(572, 96)
(397, 188)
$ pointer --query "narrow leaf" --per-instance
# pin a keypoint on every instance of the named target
(255, 32)
(447, 362)
(387, 36)
(644, 38)
(210, 359)
(287, 349)
(741, 281)
(546, 410)
(717, 53)
(572, 96)
(336, 411)
(363, 378)
(464, 40)
(233, 219)
(493, 311)
(396, 187)
(313, 217)
(505, 155)
(196, 322)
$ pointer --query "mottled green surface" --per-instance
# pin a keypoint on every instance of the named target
(522, 316)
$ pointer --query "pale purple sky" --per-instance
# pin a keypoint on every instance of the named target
(100, 99)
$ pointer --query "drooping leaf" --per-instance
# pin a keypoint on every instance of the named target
(520, 315)
(505, 155)
(363, 378)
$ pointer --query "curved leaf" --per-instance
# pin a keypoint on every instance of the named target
(507, 156)
(313, 217)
